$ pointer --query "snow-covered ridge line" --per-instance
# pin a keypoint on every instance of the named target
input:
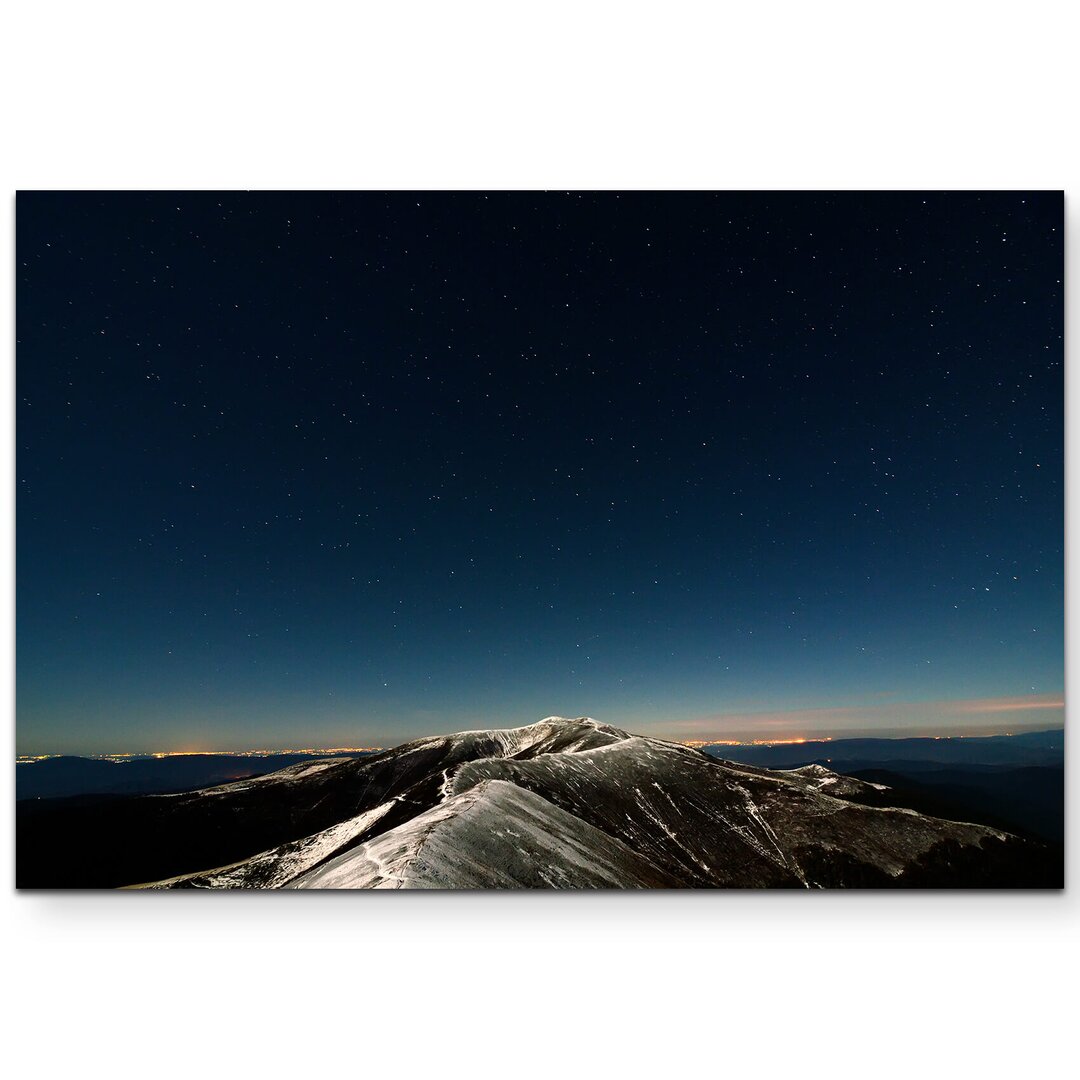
(494, 835)
(408, 841)
(521, 728)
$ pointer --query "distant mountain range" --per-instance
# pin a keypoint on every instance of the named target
(1027, 748)
(558, 804)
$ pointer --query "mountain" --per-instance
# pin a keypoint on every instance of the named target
(557, 804)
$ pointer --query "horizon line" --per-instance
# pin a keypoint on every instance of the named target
(718, 740)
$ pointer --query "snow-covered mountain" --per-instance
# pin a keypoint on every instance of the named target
(570, 803)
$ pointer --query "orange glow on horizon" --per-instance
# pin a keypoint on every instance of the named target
(794, 741)
(311, 751)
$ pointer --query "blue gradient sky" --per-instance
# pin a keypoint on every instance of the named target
(325, 470)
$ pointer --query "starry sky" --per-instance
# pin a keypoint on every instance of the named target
(342, 469)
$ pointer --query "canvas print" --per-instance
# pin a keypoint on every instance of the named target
(539, 540)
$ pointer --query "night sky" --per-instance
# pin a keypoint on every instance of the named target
(305, 470)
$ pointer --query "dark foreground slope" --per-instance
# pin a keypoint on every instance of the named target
(1015, 783)
(558, 804)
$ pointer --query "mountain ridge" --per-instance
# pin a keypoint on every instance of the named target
(562, 803)
(573, 803)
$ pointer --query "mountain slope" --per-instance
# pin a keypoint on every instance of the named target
(494, 835)
(561, 803)
(714, 824)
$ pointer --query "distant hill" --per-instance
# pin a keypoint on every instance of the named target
(61, 777)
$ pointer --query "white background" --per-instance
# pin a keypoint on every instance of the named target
(492, 95)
